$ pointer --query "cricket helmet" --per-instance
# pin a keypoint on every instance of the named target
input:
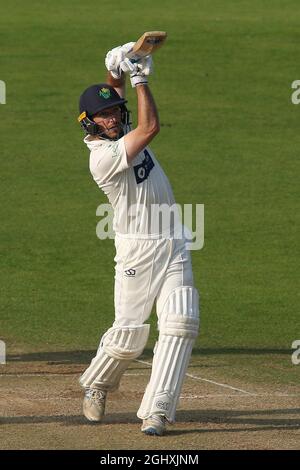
(97, 98)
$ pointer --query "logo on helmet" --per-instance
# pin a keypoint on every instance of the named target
(105, 93)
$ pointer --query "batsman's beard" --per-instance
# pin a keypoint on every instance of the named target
(111, 133)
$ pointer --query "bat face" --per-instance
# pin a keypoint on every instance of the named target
(148, 43)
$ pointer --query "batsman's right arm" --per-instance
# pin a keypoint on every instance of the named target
(147, 125)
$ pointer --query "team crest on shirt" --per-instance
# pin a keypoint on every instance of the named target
(105, 93)
(115, 149)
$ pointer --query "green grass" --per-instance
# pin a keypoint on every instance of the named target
(229, 140)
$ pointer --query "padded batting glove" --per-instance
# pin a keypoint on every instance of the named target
(144, 68)
(145, 65)
(116, 61)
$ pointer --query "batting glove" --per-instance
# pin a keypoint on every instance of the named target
(144, 68)
(116, 61)
(145, 65)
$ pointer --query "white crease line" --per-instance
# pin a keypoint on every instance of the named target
(214, 395)
(221, 385)
(138, 375)
(50, 374)
(234, 395)
(207, 380)
(143, 362)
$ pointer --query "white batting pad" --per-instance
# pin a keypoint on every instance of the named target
(183, 302)
(125, 342)
(178, 331)
(118, 346)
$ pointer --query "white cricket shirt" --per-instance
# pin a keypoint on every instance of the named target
(139, 192)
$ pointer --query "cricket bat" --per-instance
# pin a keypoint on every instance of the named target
(148, 43)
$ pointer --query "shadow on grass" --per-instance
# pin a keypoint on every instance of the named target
(246, 420)
(85, 356)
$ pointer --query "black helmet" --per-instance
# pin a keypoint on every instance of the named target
(97, 98)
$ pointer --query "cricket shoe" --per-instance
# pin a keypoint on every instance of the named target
(94, 404)
(155, 425)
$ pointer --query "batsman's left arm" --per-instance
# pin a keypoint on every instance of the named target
(117, 64)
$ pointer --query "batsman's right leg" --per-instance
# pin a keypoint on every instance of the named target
(118, 347)
(178, 330)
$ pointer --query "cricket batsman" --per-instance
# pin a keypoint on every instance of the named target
(152, 264)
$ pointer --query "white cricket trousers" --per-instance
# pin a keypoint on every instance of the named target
(147, 271)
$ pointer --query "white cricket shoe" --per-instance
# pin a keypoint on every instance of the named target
(94, 404)
(155, 425)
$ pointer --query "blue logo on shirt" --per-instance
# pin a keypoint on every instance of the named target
(142, 170)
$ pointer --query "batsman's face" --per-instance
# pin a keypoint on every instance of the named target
(110, 121)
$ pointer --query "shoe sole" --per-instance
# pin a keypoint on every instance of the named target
(91, 420)
(152, 432)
